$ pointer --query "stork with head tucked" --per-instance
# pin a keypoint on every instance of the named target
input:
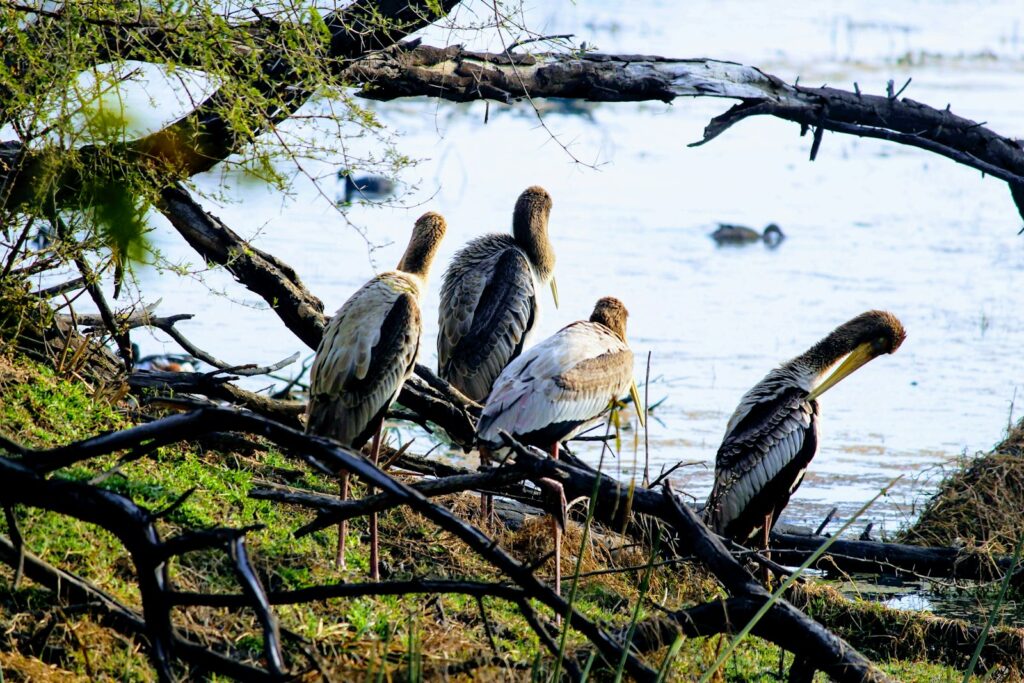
(367, 353)
(489, 299)
(559, 387)
(773, 434)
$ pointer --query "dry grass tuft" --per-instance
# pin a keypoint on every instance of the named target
(18, 668)
(12, 372)
(980, 505)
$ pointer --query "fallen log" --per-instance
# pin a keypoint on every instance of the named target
(896, 559)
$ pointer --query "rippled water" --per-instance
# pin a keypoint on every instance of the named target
(869, 225)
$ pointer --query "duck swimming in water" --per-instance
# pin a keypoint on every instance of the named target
(369, 187)
(728, 233)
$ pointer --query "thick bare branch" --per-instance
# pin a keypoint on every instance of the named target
(459, 75)
(261, 273)
(333, 510)
(356, 590)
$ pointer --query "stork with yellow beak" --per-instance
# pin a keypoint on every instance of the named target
(367, 353)
(773, 435)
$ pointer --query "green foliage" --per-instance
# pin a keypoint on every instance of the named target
(102, 93)
(116, 209)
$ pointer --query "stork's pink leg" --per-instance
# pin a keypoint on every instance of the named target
(556, 529)
(765, 574)
(374, 546)
(486, 500)
(343, 526)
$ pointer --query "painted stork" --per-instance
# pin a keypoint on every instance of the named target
(489, 299)
(367, 352)
(773, 434)
(558, 388)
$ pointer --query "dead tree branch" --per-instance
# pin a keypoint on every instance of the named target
(135, 529)
(144, 317)
(783, 624)
(460, 75)
(332, 510)
(481, 589)
(258, 271)
(896, 559)
(216, 386)
(72, 589)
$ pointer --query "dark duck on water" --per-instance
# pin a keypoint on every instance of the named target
(729, 234)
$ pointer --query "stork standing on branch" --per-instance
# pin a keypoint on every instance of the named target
(773, 434)
(367, 353)
(560, 387)
(489, 300)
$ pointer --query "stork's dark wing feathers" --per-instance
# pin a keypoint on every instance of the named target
(369, 349)
(392, 345)
(487, 311)
(761, 462)
(506, 311)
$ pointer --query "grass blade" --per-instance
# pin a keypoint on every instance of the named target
(579, 557)
(644, 584)
(995, 611)
(672, 653)
(584, 675)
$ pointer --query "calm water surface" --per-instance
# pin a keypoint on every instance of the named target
(869, 225)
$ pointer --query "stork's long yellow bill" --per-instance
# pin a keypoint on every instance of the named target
(641, 409)
(554, 290)
(858, 357)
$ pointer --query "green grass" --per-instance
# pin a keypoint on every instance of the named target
(410, 637)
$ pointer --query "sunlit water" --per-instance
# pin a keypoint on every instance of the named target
(868, 225)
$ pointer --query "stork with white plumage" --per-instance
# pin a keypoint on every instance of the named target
(367, 353)
(773, 434)
(560, 387)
